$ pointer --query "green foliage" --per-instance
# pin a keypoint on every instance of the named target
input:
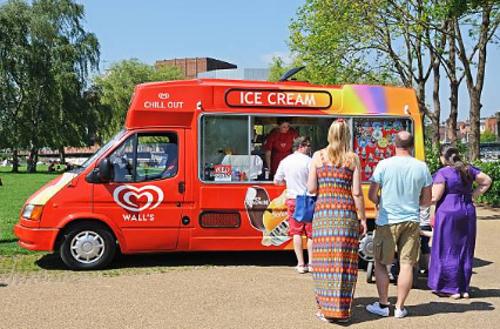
(45, 58)
(116, 86)
(15, 190)
(278, 67)
(432, 155)
(394, 42)
(488, 137)
(492, 169)
(335, 40)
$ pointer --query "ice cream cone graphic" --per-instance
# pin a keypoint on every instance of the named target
(276, 223)
(269, 217)
(256, 203)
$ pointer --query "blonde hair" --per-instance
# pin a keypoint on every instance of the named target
(339, 143)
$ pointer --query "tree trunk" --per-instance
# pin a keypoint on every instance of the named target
(475, 112)
(451, 123)
(15, 161)
(62, 155)
(475, 88)
(32, 160)
(435, 137)
(436, 117)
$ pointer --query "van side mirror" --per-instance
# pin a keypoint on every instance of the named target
(103, 173)
(105, 170)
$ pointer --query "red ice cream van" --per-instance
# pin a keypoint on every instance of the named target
(187, 172)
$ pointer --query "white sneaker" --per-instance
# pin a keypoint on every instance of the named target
(301, 269)
(375, 308)
(400, 313)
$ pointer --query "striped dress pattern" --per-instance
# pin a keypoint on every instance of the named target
(335, 242)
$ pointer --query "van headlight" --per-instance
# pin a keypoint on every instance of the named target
(32, 212)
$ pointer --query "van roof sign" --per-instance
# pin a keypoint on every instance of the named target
(175, 103)
(279, 98)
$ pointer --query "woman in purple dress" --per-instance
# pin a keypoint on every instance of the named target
(454, 236)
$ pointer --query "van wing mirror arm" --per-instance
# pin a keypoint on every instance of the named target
(102, 173)
(93, 176)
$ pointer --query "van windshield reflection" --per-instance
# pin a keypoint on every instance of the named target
(103, 149)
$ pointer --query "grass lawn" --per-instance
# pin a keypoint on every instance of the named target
(15, 190)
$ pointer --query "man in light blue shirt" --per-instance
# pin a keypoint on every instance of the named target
(405, 184)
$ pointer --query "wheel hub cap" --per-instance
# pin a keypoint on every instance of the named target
(87, 247)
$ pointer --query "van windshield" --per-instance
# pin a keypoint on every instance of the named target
(103, 149)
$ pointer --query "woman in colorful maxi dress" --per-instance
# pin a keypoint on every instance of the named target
(454, 235)
(335, 178)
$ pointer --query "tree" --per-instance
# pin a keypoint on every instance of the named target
(45, 57)
(117, 85)
(331, 38)
(482, 18)
(400, 40)
(371, 42)
(14, 68)
(278, 67)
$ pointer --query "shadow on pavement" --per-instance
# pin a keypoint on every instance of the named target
(478, 262)
(488, 217)
(484, 293)
(433, 308)
(256, 258)
(361, 315)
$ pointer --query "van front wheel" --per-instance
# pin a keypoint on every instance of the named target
(87, 246)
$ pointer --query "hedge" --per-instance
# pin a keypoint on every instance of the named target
(492, 169)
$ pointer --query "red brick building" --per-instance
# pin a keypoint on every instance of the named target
(490, 124)
(192, 66)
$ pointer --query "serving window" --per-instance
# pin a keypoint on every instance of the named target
(232, 147)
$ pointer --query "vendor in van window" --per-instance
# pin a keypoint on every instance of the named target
(279, 144)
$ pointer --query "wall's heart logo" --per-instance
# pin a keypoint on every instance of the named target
(153, 196)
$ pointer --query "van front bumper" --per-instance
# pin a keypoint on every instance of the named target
(40, 239)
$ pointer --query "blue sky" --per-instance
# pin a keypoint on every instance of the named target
(246, 33)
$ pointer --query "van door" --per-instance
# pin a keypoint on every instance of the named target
(146, 194)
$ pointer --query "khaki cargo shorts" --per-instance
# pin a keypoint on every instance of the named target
(403, 237)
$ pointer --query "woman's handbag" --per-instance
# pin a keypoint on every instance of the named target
(304, 208)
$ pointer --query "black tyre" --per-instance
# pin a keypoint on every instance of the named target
(369, 272)
(87, 246)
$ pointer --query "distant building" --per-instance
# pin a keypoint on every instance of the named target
(488, 151)
(210, 68)
(237, 74)
(491, 124)
(191, 67)
(463, 132)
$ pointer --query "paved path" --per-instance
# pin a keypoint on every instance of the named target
(238, 290)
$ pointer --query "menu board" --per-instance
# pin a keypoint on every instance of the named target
(374, 141)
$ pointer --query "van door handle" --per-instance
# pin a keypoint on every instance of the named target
(181, 187)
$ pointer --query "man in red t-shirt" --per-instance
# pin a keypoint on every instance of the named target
(279, 144)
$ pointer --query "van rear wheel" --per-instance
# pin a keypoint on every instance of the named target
(87, 246)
